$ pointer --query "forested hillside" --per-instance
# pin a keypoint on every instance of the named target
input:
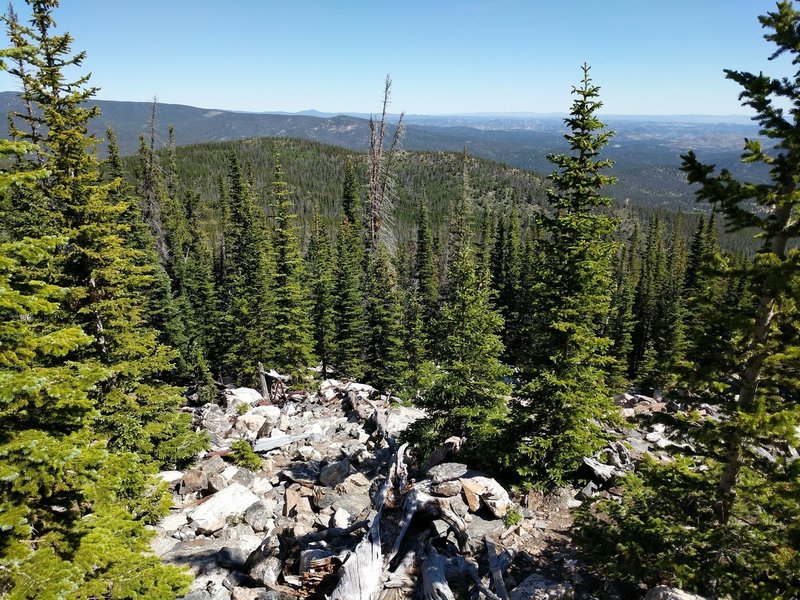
(545, 331)
(646, 152)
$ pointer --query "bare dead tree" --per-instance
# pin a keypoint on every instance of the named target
(381, 192)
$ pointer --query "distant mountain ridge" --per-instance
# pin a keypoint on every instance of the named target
(646, 151)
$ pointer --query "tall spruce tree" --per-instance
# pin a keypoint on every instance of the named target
(348, 306)
(292, 343)
(73, 513)
(566, 399)
(468, 397)
(385, 356)
(622, 322)
(320, 277)
(138, 412)
(425, 274)
(164, 312)
(724, 520)
(245, 287)
(774, 209)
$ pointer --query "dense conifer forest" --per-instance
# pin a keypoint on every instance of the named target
(513, 307)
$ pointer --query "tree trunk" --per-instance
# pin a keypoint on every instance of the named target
(751, 374)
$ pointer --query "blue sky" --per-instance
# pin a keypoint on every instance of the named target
(648, 56)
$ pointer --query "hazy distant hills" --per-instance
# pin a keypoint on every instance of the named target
(646, 149)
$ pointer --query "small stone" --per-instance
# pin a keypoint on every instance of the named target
(231, 557)
(215, 420)
(216, 482)
(334, 473)
(215, 464)
(301, 473)
(472, 493)
(303, 511)
(308, 453)
(588, 491)
(357, 479)
(242, 395)
(244, 477)
(193, 481)
(245, 593)
(323, 497)
(291, 500)
(229, 472)
(212, 514)
(494, 496)
(234, 579)
(447, 488)
(266, 569)
(261, 484)
(340, 518)
(258, 515)
(251, 422)
(446, 472)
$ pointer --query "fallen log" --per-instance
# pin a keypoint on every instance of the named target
(361, 572)
(267, 444)
(417, 500)
(434, 582)
(494, 568)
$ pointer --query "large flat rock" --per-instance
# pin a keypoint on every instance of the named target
(213, 512)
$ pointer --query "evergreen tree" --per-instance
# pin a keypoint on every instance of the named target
(350, 325)
(320, 274)
(646, 305)
(164, 312)
(672, 342)
(246, 301)
(755, 402)
(72, 515)
(425, 274)
(138, 412)
(724, 520)
(510, 285)
(385, 352)
(351, 195)
(566, 399)
(487, 237)
(622, 321)
(291, 332)
(202, 309)
(468, 397)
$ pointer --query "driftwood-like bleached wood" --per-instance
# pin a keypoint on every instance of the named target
(267, 444)
(417, 500)
(361, 572)
(402, 582)
(434, 582)
(272, 387)
(494, 568)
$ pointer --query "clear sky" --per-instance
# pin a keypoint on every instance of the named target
(444, 56)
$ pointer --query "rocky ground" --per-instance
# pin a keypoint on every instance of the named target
(332, 512)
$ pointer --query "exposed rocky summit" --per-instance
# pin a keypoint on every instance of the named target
(333, 509)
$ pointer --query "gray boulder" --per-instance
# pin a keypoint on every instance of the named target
(334, 473)
(212, 514)
(663, 592)
(259, 514)
(447, 472)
